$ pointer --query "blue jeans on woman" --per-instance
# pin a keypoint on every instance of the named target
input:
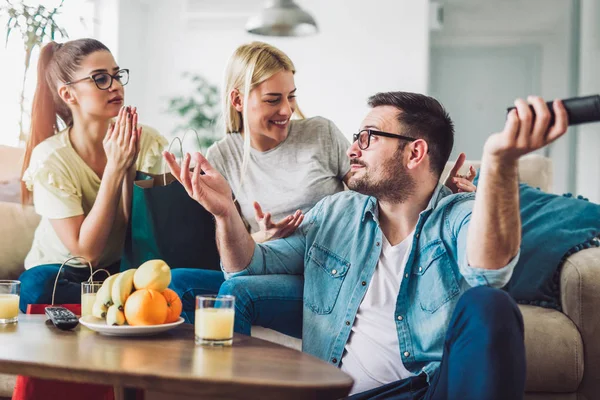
(483, 356)
(37, 284)
(271, 301)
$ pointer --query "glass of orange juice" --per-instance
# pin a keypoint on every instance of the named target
(214, 320)
(9, 301)
(88, 296)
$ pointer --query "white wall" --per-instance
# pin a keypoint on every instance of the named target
(363, 47)
(76, 18)
(588, 149)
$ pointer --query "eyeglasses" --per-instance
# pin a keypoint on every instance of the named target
(104, 80)
(364, 137)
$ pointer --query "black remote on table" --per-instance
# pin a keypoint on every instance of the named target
(62, 318)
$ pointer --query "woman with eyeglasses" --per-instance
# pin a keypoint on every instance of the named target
(279, 165)
(80, 176)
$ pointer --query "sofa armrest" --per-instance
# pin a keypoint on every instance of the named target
(17, 228)
(580, 297)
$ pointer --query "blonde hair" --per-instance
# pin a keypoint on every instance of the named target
(249, 66)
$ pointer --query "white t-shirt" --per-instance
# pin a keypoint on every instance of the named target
(307, 166)
(372, 354)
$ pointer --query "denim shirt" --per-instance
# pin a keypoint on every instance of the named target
(337, 248)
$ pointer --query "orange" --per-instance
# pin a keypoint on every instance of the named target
(173, 304)
(146, 307)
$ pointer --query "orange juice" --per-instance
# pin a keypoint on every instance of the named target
(9, 306)
(87, 302)
(214, 325)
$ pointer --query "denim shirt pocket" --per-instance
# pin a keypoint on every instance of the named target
(323, 275)
(437, 283)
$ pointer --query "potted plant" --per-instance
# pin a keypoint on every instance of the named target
(199, 111)
(36, 25)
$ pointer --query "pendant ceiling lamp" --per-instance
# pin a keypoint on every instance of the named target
(282, 18)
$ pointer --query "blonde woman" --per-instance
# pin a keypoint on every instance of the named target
(82, 176)
(274, 159)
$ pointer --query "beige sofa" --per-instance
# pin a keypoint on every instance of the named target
(563, 349)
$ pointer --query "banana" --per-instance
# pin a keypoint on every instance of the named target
(99, 310)
(153, 274)
(114, 316)
(104, 294)
(122, 287)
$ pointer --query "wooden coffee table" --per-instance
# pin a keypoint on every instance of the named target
(168, 365)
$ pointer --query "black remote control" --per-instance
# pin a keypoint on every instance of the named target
(62, 318)
(579, 109)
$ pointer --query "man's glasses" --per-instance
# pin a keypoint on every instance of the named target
(104, 80)
(364, 137)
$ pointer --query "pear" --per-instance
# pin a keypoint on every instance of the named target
(153, 274)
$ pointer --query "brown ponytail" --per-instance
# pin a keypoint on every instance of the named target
(57, 64)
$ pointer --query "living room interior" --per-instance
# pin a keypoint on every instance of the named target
(474, 56)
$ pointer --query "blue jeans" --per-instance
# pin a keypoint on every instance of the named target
(483, 358)
(272, 301)
(37, 284)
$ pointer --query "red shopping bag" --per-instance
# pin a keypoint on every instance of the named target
(30, 388)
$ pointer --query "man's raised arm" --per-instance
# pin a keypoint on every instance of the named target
(494, 235)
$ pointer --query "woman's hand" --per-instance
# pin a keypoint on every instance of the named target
(209, 189)
(121, 143)
(461, 183)
(137, 131)
(270, 230)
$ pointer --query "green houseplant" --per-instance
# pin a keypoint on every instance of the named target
(36, 25)
(199, 111)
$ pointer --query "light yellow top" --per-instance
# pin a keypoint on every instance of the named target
(65, 186)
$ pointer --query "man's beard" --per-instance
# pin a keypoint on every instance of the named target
(395, 185)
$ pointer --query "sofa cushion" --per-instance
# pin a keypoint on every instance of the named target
(17, 226)
(534, 170)
(7, 384)
(10, 190)
(554, 351)
(580, 293)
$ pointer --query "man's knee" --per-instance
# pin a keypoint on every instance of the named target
(493, 307)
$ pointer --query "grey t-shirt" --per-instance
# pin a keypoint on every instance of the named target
(307, 166)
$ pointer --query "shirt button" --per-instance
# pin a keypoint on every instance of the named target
(377, 244)
(347, 323)
(334, 360)
(333, 271)
(406, 275)
(420, 269)
(363, 283)
(406, 354)
(400, 318)
(417, 235)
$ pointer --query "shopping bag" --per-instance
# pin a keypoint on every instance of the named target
(166, 224)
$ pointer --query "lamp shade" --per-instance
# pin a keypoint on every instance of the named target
(282, 18)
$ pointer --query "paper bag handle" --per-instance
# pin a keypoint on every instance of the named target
(63, 264)
(181, 141)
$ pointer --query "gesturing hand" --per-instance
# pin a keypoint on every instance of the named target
(210, 189)
(461, 183)
(270, 230)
